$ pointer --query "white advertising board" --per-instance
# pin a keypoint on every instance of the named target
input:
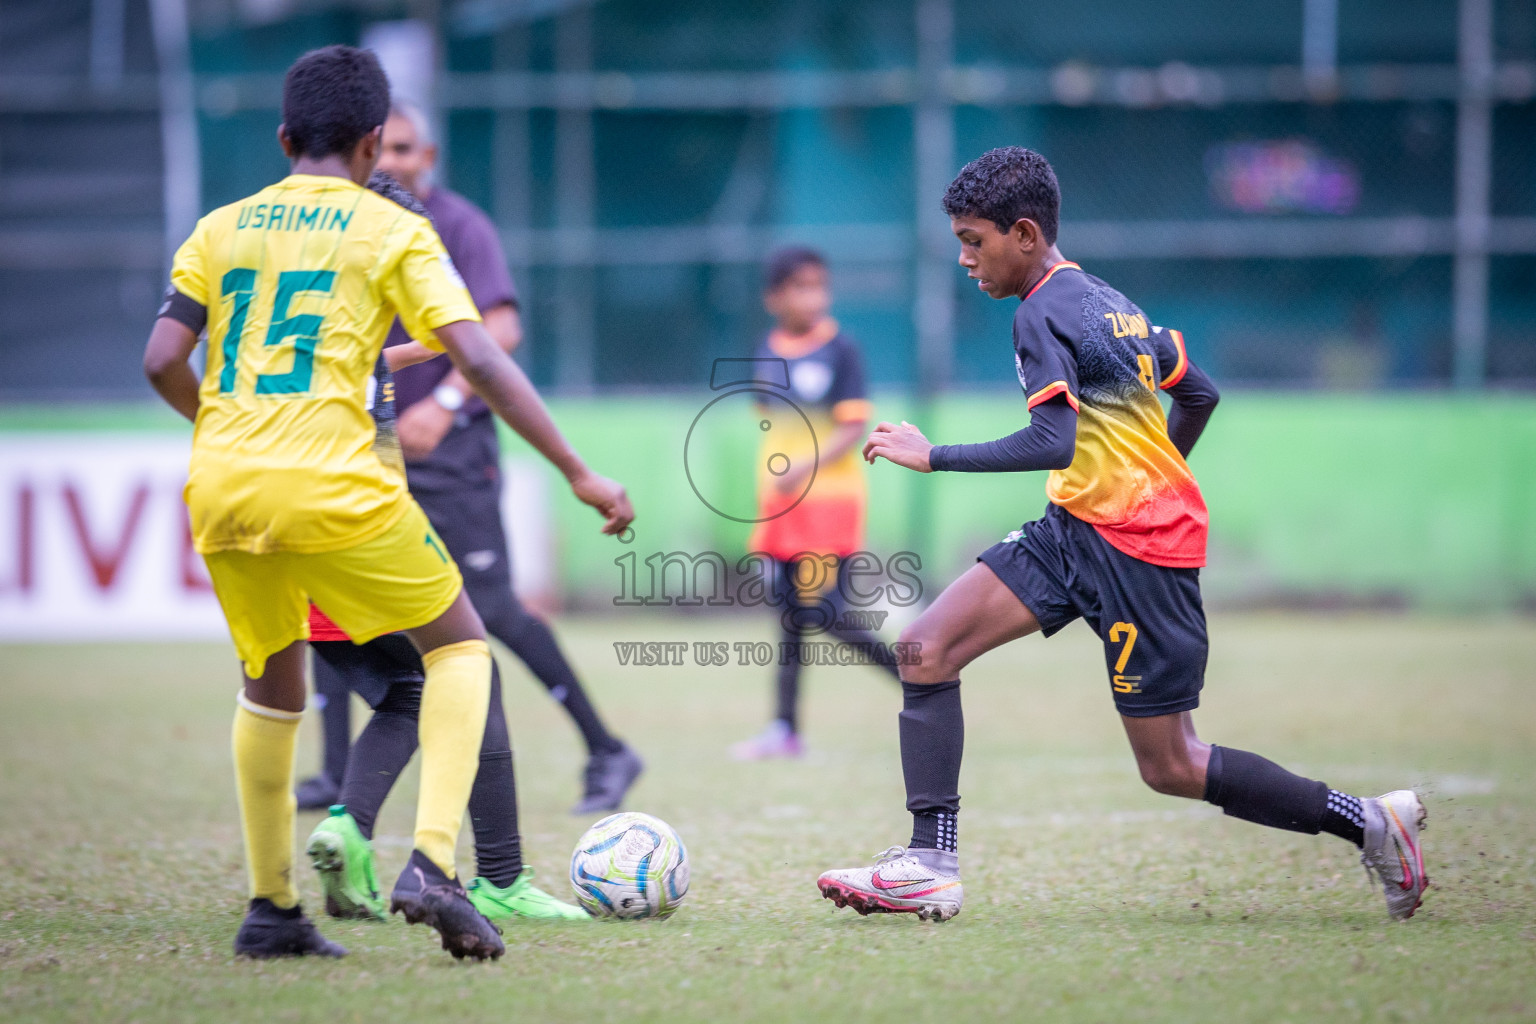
(94, 543)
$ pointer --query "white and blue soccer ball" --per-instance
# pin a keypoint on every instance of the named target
(630, 865)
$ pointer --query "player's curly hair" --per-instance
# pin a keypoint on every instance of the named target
(385, 185)
(1003, 185)
(332, 97)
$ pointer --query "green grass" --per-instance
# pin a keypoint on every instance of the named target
(1089, 897)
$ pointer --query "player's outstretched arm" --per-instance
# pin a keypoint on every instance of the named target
(509, 393)
(409, 354)
(1049, 442)
(167, 364)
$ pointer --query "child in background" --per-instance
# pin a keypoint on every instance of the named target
(810, 502)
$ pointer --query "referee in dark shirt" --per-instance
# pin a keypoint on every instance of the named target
(453, 462)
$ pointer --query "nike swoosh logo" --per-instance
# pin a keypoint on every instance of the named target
(1409, 880)
(880, 883)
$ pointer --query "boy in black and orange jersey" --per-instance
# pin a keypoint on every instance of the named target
(1120, 546)
(811, 492)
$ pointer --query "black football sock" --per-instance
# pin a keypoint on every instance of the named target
(938, 830)
(493, 800)
(381, 752)
(788, 689)
(932, 742)
(1250, 787)
(530, 639)
(335, 719)
(1344, 817)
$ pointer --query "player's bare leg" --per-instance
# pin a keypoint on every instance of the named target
(973, 615)
(1173, 760)
(281, 684)
(454, 703)
(266, 728)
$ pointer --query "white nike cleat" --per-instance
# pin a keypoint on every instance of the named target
(1392, 851)
(899, 883)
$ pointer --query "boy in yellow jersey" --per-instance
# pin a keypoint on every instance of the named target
(297, 287)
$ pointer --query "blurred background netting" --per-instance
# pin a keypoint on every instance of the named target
(1333, 194)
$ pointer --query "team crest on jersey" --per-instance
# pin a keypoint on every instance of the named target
(451, 270)
(480, 561)
(811, 378)
(1018, 364)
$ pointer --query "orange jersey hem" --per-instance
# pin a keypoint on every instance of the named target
(833, 526)
(1151, 553)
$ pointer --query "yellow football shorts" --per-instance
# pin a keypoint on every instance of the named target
(401, 579)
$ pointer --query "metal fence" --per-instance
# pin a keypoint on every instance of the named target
(1341, 194)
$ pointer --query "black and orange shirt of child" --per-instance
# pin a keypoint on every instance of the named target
(826, 387)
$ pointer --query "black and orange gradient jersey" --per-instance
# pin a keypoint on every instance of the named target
(1077, 337)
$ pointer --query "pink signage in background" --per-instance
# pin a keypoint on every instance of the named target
(1281, 176)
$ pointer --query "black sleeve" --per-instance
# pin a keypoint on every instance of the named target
(186, 311)
(1194, 394)
(1047, 443)
(1043, 347)
(848, 373)
(1194, 399)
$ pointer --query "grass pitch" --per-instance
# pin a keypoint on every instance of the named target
(1088, 897)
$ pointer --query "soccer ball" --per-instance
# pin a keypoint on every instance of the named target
(630, 865)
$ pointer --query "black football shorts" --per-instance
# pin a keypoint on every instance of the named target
(372, 669)
(1149, 616)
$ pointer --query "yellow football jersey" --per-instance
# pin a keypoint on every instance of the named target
(301, 282)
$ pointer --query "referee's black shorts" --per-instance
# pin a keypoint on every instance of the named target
(1149, 616)
(468, 519)
(459, 488)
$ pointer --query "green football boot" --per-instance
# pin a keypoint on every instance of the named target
(344, 861)
(521, 899)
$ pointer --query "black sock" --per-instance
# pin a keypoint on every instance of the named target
(531, 640)
(335, 719)
(381, 752)
(938, 830)
(932, 742)
(787, 708)
(1247, 786)
(1344, 817)
(493, 800)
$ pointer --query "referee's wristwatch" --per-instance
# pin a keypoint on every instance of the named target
(449, 397)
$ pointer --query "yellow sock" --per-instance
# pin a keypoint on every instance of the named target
(264, 740)
(454, 702)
